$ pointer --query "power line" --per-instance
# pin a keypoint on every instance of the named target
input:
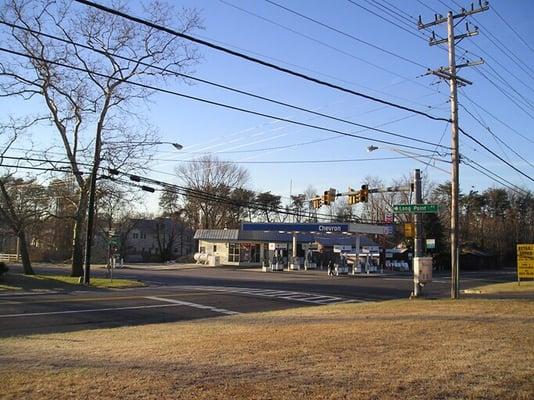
(485, 126)
(337, 49)
(500, 89)
(211, 83)
(353, 37)
(493, 176)
(512, 29)
(206, 196)
(318, 161)
(39, 168)
(223, 105)
(255, 60)
(385, 19)
(493, 153)
(492, 115)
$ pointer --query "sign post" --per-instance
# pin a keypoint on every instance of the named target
(525, 262)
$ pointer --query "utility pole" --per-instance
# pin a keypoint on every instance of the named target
(449, 73)
(91, 210)
(418, 223)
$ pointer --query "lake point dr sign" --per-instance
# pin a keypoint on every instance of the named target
(415, 208)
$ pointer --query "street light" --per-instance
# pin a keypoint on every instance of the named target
(92, 195)
(409, 154)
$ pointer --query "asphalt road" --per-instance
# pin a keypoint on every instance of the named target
(189, 292)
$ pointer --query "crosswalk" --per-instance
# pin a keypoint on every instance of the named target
(312, 298)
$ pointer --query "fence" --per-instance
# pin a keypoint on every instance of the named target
(8, 257)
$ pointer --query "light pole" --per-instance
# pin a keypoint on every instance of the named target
(418, 223)
(92, 196)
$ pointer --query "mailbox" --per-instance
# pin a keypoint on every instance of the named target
(422, 270)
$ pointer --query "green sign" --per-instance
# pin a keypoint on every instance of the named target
(415, 208)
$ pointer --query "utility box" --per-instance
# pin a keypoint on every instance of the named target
(422, 270)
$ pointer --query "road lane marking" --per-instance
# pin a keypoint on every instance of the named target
(36, 314)
(194, 305)
(310, 298)
(27, 294)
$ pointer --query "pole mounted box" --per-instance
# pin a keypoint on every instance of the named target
(422, 270)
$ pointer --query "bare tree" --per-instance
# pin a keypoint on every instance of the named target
(93, 103)
(210, 180)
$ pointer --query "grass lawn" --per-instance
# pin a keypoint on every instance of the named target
(18, 281)
(468, 349)
(507, 287)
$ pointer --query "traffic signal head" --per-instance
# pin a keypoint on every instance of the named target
(316, 202)
(332, 195)
(326, 198)
(353, 197)
(364, 194)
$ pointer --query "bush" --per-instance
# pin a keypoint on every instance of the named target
(3, 270)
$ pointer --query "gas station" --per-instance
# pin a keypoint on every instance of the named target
(292, 246)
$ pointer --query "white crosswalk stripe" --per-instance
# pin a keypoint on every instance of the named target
(313, 298)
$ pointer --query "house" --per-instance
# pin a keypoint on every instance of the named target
(156, 240)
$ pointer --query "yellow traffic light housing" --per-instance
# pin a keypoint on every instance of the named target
(353, 197)
(326, 198)
(316, 202)
(364, 194)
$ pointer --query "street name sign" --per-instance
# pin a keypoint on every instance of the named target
(525, 261)
(415, 208)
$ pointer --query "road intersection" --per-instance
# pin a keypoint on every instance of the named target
(195, 293)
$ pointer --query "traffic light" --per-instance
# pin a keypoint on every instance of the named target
(364, 194)
(326, 198)
(353, 197)
(316, 202)
(332, 195)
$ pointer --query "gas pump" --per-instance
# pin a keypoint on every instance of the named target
(277, 263)
(342, 268)
(309, 263)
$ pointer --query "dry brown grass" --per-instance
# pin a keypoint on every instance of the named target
(506, 287)
(470, 349)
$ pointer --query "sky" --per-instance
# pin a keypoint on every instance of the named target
(268, 32)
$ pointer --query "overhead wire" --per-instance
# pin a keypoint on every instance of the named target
(331, 47)
(512, 29)
(492, 115)
(483, 124)
(493, 153)
(205, 81)
(228, 106)
(493, 176)
(341, 32)
(254, 59)
(385, 19)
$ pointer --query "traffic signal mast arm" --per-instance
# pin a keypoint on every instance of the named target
(355, 196)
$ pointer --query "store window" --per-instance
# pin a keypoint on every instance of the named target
(233, 252)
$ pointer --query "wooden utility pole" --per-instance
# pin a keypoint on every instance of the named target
(449, 73)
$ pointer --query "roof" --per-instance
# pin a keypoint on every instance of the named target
(262, 236)
(216, 234)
